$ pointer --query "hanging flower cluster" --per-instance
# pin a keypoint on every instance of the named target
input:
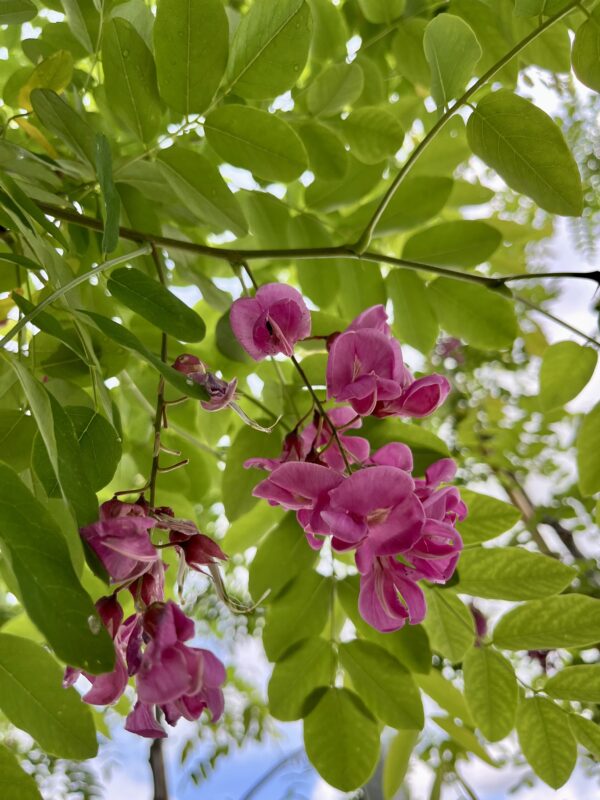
(401, 528)
(150, 645)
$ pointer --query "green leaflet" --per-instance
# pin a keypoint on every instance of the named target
(570, 620)
(581, 682)
(464, 737)
(269, 49)
(238, 482)
(584, 55)
(586, 732)
(155, 303)
(15, 12)
(464, 243)
(448, 623)
(191, 44)
(372, 133)
(15, 783)
(414, 319)
(527, 149)
(341, 738)
(491, 691)
(588, 452)
(58, 116)
(566, 369)
(488, 517)
(49, 589)
(112, 201)
(300, 611)
(452, 50)
(337, 87)
(396, 761)
(480, 317)
(285, 545)
(383, 684)
(546, 740)
(130, 79)
(307, 666)
(258, 141)
(33, 699)
(511, 573)
(193, 177)
(381, 11)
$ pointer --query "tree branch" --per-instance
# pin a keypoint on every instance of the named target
(365, 239)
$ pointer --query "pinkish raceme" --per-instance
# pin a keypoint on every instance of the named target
(402, 529)
(151, 645)
(220, 392)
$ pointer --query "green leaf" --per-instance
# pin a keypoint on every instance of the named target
(546, 740)
(527, 149)
(326, 153)
(416, 201)
(130, 79)
(33, 699)
(581, 682)
(560, 360)
(238, 482)
(464, 737)
(488, 517)
(84, 21)
(383, 684)
(464, 243)
(21, 261)
(408, 51)
(334, 89)
(16, 12)
(361, 286)
(304, 668)
(30, 208)
(381, 11)
(414, 320)
(536, 8)
(569, 620)
(54, 72)
(449, 624)
(445, 694)
(452, 50)
(300, 611)
(58, 435)
(586, 732)
(258, 141)
(249, 529)
(285, 544)
(584, 55)
(342, 739)
(511, 573)
(491, 691)
(373, 133)
(396, 762)
(269, 49)
(17, 430)
(156, 304)
(15, 783)
(479, 316)
(588, 453)
(191, 44)
(49, 589)
(200, 185)
(112, 201)
(58, 117)
(123, 337)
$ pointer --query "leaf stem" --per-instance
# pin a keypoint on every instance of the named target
(563, 323)
(159, 415)
(365, 238)
(142, 251)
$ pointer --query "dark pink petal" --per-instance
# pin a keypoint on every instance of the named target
(374, 317)
(70, 677)
(143, 722)
(108, 687)
(441, 471)
(424, 396)
(345, 527)
(394, 454)
(371, 489)
(378, 603)
(297, 485)
(111, 613)
(165, 679)
(213, 671)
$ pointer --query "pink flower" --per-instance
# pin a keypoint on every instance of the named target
(121, 540)
(209, 695)
(220, 392)
(389, 595)
(304, 488)
(376, 506)
(419, 399)
(394, 454)
(142, 720)
(270, 322)
(198, 550)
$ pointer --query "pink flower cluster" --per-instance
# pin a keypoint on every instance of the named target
(150, 645)
(402, 529)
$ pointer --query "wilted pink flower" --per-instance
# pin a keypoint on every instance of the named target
(294, 449)
(220, 392)
(142, 720)
(270, 322)
(121, 540)
(209, 695)
(389, 595)
(198, 550)
(376, 508)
